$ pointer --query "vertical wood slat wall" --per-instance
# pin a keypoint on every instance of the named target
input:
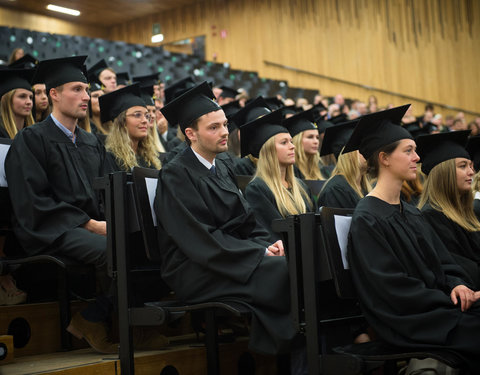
(422, 48)
(428, 49)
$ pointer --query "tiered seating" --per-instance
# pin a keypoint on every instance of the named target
(138, 59)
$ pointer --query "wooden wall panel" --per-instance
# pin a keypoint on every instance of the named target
(37, 22)
(420, 48)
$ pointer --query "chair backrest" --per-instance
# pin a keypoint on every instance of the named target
(242, 181)
(335, 225)
(144, 188)
(4, 147)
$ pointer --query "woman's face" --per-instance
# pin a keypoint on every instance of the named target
(464, 172)
(151, 112)
(41, 99)
(137, 122)
(402, 162)
(94, 95)
(22, 102)
(285, 149)
(310, 141)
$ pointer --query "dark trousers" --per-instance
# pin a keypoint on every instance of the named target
(89, 248)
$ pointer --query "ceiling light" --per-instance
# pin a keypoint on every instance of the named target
(157, 38)
(56, 8)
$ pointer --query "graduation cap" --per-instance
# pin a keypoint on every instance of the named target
(339, 119)
(255, 133)
(230, 109)
(434, 149)
(178, 88)
(115, 102)
(323, 125)
(56, 72)
(147, 80)
(96, 69)
(274, 103)
(473, 148)
(11, 79)
(254, 109)
(147, 94)
(300, 122)
(25, 62)
(95, 86)
(416, 130)
(123, 78)
(228, 92)
(336, 137)
(190, 105)
(377, 130)
(289, 110)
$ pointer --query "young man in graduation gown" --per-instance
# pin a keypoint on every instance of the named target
(213, 248)
(50, 169)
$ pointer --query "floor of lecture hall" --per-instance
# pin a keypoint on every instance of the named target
(186, 355)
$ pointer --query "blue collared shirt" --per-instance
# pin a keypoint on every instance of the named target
(67, 132)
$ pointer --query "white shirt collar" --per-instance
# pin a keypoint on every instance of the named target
(202, 160)
(477, 195)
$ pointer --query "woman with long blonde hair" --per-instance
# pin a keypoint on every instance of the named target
(349, 182)
(128, 143)
(16, 101)
(307, 142)
(274, 192)
(447, 200)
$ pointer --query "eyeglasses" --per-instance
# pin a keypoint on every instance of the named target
(140, 115)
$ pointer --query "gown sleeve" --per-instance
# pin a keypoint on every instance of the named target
(191, 223)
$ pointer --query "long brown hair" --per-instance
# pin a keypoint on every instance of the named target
(441, 192)
(8, 117)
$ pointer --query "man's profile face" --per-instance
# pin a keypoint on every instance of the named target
(72, 99)
(211, 136)
(109, 80)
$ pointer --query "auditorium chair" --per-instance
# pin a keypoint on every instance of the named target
(314, 249)
(65, 268)
(131, 197)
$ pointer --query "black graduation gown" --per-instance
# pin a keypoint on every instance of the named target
(464, 246)
(216, 248)
(172, 141)
(404, 275)
(261, 199)
(3, 131)
(338, 193)
(100, 136)
(244, 166)
(325, 170)
(112, 164)
(476, 207)
(50, 183)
